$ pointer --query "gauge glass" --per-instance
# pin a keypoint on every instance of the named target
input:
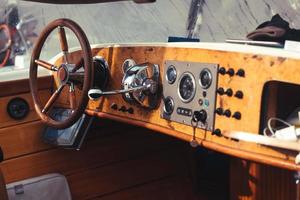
(205, 78)
(171, 74)
(187, 87)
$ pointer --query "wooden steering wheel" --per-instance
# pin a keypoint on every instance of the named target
(67, 74)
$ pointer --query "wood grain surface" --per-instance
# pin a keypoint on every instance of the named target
(259, 70)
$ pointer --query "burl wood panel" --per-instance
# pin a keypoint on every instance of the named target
(258, 70)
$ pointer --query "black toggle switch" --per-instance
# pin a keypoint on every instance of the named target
(114, 106)
(220, 91)
(239, 94)
(217, 132)
(230, 72)
(237, 115)
(227, 113)
(222, 70)
(241, 73)
(130, 110)
(229, 92)
(219, 111)
(200, 116)
(123, 109)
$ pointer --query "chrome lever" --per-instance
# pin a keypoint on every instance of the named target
(95, 93)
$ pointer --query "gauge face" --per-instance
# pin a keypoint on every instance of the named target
(171, 74)
(205, 78)
(169, 105)
(187, 87)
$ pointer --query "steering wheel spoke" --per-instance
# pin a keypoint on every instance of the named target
(63, 42)
(78, 65)
(46, 65)
(72, 97)
(52, 99)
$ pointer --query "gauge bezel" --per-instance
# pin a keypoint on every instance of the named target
(210, 76)
(175, 70)
(173, 105)
(194, 90)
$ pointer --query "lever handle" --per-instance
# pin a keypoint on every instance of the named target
(96, 93)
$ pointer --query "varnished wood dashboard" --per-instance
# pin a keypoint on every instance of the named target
(261, 66)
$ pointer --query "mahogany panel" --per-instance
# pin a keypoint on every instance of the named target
(16, 87)
(96, 152)
(6, 120)
(177, 187)
(126, 174)
(260, 182)
(22, 139)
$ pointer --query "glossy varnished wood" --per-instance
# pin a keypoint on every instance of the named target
(17, 87)
(258, 71)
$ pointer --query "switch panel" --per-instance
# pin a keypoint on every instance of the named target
(189, 93)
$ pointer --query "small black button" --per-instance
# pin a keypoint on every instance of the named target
(240, 73)
(200, 101)
(230, 72)
(217, 132)
(130, 110)
(229, 92)
(219, 111)
(204, 93)
(114, 106)
(227, 113)
(222, 70)
(237, 115)
(239, 94)
(123, 109)
(220, 91)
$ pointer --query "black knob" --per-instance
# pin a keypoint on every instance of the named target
(130, 110)
(222, 70)
(217, 132)
(114, 106)
(200, 116)
(219, 111)
(241, 73)
(229, 92)
(123, 109)
(230, 72)
(239, 94)
(220, 91)
(227, 113)
(237, 115)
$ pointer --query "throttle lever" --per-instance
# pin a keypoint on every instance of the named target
(96, 93)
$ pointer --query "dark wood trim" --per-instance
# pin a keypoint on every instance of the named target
(208, 144)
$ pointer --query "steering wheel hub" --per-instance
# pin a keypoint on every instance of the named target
(63, 74)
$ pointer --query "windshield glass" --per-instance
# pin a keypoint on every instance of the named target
(129, 22)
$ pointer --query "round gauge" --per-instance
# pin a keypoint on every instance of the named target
(205, 78)
(186, 87)
(169, 105)
(171, 74)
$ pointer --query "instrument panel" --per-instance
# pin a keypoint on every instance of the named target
(189, 93)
